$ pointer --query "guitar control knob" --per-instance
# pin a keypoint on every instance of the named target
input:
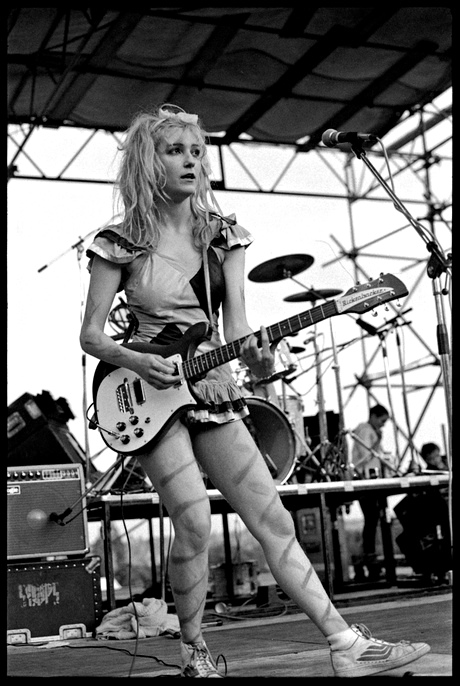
(125, 439)
(121, 426)
(133, 419)
(138, 432)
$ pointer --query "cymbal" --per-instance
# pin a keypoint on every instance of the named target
(280, 268)
(312, 296)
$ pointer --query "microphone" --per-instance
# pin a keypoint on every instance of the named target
(59, 519)
(331, 138)
(371, 330)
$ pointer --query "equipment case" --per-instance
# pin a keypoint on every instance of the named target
(56, 600)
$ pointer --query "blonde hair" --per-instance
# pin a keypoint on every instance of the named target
(141, 178)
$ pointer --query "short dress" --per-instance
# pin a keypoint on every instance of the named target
(165, 300)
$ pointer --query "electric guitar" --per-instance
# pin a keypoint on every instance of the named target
(132, 415)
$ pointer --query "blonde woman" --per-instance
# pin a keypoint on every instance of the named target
(171, 228)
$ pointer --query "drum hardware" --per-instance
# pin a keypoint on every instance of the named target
(280, 268)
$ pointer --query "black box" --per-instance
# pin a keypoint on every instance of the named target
(56, 600)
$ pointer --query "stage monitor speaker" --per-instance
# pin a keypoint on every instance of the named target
(37, 432)
(25, 418)
(51, 443)
(33, 496)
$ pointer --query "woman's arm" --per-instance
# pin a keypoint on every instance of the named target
(105, 279)
(259, 360)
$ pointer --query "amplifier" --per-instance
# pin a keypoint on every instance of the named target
(53, 600)
(33, 496)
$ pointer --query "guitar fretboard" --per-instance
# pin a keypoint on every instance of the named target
(199, 365)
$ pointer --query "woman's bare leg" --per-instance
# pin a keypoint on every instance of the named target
(175, 475)
(235, 466)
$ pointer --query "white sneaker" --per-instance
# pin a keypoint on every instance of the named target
(197, 661)
(370, 655)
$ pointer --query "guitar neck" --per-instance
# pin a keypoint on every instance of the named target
(199, 365)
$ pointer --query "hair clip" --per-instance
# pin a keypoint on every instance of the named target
(179, 115)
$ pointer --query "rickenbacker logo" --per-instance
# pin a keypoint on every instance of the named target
(349, 301)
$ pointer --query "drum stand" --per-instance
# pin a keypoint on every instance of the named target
(310, 454)
(330, 464)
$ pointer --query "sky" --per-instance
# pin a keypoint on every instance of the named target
(48, 278)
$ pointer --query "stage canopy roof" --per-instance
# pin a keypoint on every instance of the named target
(279, 75)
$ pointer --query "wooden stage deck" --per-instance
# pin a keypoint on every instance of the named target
(275, 641)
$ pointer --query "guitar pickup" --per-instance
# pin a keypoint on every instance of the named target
(139, 394)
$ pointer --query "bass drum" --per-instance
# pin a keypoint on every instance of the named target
(274, 437)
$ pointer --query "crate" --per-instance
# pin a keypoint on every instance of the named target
(53, 600)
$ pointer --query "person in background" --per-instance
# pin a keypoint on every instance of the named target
(170, 228)
(425, 518)
(367, 455)
(431, 453)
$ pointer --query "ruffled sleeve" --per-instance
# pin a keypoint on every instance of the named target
(112, 246)
(229, 234)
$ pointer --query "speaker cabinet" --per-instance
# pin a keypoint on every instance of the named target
(34, 496)
(55, 600)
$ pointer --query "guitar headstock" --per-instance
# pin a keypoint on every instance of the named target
(365, 297)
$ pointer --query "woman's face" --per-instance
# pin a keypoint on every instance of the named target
(181, 151)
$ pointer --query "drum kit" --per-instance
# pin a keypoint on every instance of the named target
(276, 420)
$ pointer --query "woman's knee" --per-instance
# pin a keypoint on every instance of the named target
(277, 522)
(193, 527)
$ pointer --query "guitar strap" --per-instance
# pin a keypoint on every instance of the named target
(208, 284)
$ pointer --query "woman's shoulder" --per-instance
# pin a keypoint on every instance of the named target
(112, 244)
(228, 233)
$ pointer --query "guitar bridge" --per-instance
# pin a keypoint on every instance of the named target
(124, 399)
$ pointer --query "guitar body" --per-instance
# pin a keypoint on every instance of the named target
(131, 414)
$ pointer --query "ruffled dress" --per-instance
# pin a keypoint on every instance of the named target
(165, 299)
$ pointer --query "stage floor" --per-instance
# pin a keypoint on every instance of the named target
(271, 641)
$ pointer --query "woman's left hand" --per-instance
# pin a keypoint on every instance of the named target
(260, 360)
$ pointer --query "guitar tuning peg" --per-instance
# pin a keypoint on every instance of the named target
(398, 304)
(387, 309)
(374, 313)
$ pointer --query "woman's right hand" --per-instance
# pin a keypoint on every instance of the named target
(157, 371)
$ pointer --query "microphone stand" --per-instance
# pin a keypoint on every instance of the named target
(437, 264)
(59, 518)
(382, 335)
(404, 395)
(342, 443)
